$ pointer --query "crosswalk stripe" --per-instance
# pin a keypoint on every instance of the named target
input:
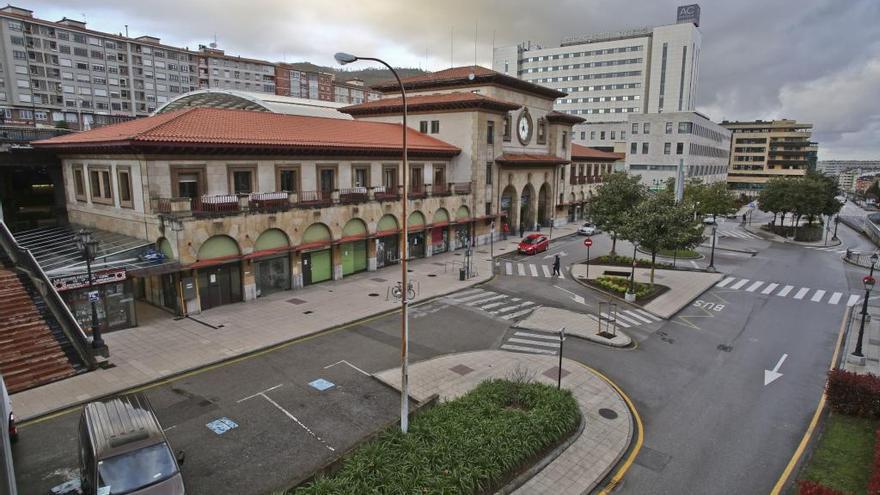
(853, 300)
(835, 298)
(694, 264)
(471, 297)
(561, 275)
(533, 269)
(769, 288)
(785, 290)
(537, 336)
(817, 296)
(508, 347)
(725, 282)
(492, 305)
(620, 323)
(481, 301)
(521, 270)
(511, 308)
(518, 313)
(636, 315)
(533, 342)
(470, 292)
(755, 286)
(546, 270)
(649, 315)
(739, 284)
(508, 268)
(802, 292)
(628, 319)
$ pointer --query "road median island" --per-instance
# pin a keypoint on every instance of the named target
(475, 444)
(552, 319)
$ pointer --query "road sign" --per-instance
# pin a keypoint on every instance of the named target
(93, 296)
(588, 242)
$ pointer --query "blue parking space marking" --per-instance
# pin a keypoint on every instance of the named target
(321, 384)
(222, 425)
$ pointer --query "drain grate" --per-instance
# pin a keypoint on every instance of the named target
(461, 369)
(373, 294)
(607, 413)
(725, 347)
(308, 312)
(380, 280)
(296, 301)
(432, 274)
(553, 373)
(653, 459)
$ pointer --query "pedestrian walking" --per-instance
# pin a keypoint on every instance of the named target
(522, 229)
(556, 266)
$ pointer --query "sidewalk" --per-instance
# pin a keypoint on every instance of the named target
(161, 346)
(870, 341)
(608, 422)
(547, 319)
(684, 285)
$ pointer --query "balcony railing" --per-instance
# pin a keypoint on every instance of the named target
(461, 187)
(417, 191)
(219, 204)
(315, 198)
(387, 193)
(582, 179)
(273, 201)
(440, 189)
(353, 195)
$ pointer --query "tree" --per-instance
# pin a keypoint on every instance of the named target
(614, 199)
(775, 197)
(658, 223)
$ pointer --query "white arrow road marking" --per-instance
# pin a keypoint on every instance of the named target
(771, 375)
(576, 298)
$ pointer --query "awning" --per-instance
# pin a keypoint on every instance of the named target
(438, 224)
(383, 233)
(313, 245)
(267, 252)
(214, 261)
(351, 238)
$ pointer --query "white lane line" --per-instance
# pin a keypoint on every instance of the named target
(533, 269)
(508, 268)
(725, 282)
(739, 284)
(835, 298)
(636, 315)
(853, 300)
(755, 286)
(802, 292)
(607, 317)
(259, 393)
(769, 288)
(288, 414)
(546, 270)
(472, 296)
(481, 301)
(508, 347)
(817, 296)
(493, 305)
(537, 336)
(649, 315)
(511, 308)
(518, 313)
(349, 364)
(515, 340)
(694, 264)
(785, 290)
(521, 269)
(628, 319)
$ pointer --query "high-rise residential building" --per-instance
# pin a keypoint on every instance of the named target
(659, 143)
(218, 70)
(611, 76)
(761, 150)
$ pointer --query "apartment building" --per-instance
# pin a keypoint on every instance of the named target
(221, 71)
(610, 76)
(761, 150)
(836, 167)
(659, 143)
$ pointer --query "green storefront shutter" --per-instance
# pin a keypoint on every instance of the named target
(322, 269)
(347, 258)
(360, 256)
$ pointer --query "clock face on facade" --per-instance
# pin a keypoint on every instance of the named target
(524, 127)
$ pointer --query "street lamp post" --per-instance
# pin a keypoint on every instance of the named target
(88, 248)
(711, 266)
(869, 284)
(632, 277)
(347, 58)
(836, 221)
(492, 246)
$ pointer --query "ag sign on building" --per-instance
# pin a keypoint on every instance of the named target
(689, 13)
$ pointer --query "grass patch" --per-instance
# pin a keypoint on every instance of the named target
(844, 456)
(620, 286)
(473, 444)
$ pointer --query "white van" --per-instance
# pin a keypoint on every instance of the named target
(8, 434)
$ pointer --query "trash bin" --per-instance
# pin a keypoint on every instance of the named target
(461, 274)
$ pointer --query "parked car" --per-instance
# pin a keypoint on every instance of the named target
(123, 449)
(709, 220)
(588, 229)
(534, 243)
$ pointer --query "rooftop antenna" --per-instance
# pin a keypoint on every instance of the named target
(213, 44)
(126, 30)
(476, 26)
(451, 45)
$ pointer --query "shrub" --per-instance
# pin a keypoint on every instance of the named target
(853, 394)
(808, 487)
(621, 286)
(618, 260)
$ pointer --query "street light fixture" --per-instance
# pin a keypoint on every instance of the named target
(632, 278)
(836, 221)
(88, 249)
(344, 59)
(869, 284)
(711, 266)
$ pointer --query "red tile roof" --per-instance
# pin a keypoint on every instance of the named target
(585, 152)
(215, 128)
(443, 101)
(530, 159)
(471, 75)
(555, 117)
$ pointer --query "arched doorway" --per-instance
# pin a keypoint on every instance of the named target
(527, 207)
(440, 231)
(463, 227)
(387, 241)
(317, 262)
(272, 262)
(416, 235)
(509, 209)
(354, 247)
(544, 207)
(219, 272)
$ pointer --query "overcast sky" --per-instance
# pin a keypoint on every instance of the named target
(816, 61)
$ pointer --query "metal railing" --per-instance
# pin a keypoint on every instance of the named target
(461, 187)
(440, 189)
(353, 195)
(315, 198)
(387, 193)
(218, 204)
(417, 191)
(25, 260)
(272, 201)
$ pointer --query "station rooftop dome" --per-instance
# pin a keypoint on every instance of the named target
(258, 102)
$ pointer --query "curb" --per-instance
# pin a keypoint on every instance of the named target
(680, 258)
(68, 408)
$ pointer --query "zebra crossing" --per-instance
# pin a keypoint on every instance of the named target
(627, 318)
(741, 234)
(532, 342)
(784, 290)
(501, 306)
(527, 269)
(833, 249)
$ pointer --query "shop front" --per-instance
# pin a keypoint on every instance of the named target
(462, 227)
(218, 272)
(416, 235)
(387, 241)
(440, 232)
(113, 295)
(271, 262)
(316, 256)
(353, 247)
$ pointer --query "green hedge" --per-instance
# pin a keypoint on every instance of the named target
(473, 444)
(617, 260)
(620, 285)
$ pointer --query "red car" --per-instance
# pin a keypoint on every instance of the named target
(533, 243)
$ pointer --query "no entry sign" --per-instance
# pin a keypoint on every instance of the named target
(588, 242)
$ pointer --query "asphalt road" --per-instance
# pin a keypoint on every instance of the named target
(711, 425)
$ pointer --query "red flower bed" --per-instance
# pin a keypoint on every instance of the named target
(853, 394)
(807, 487)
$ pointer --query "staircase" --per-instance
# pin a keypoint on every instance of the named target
(34, 350)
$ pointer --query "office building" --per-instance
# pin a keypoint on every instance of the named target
(761, 150)
(659, 143)
(611, 76)
(836, 167)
